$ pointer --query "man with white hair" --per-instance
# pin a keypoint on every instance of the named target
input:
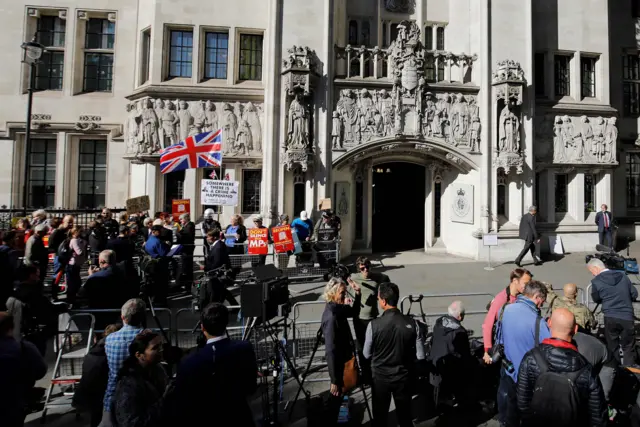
(451, 355)
(134, 316)
(186, 238)
(529, 233)
(35, 252)
(615, 292)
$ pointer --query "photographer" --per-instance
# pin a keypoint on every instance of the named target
(338, 340)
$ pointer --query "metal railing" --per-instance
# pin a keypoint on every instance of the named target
(9, 216)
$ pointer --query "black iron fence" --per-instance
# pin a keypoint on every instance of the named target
(10, 216)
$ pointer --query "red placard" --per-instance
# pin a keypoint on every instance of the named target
(180, 206)
(282, 239)
(258, 241)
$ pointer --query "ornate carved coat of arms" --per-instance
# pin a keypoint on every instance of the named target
(409, 76)
(461, 205)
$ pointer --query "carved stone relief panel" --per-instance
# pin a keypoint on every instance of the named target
(409, 109)
(153, 124)
(564, 139)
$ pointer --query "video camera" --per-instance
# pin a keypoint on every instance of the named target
(225, 278)
(337, 270)
(265, 294)
(614, 261)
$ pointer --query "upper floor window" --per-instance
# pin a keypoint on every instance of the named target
(561, 184)
(216, 50)
(365, 36)
(41, 173)
(428, 37)
(353, 32)
(251, 180)
(539, 63)
(631, 85)
(440, 38)
(98, 55)
(250, 57)
(145, 55)
(589, 193)
(50, 68)
(562, 73)
(92, 174)
(180, 53)
(633, 180)
(588, 67)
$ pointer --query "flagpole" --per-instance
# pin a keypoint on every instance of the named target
(220, 178)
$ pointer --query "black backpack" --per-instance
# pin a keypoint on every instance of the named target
(64, 252)
(545, 405)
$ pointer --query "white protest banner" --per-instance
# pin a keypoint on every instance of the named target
(219, 192)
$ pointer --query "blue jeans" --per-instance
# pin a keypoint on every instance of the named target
(507, 401)
(73, 282)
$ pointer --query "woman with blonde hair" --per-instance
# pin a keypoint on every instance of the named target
(235, 235)
(339, 347)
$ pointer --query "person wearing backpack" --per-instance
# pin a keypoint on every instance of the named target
(518, 279)
(556, 385)
(521, 329)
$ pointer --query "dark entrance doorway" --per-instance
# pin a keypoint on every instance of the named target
(398, 207)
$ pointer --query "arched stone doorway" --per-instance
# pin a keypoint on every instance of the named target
(385, 215)
(399, 194)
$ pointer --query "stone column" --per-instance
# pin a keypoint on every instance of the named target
(272, 110)
(62, 173)
(576, 196)
(486, 104)
(529, 110)
(515, 208)
(429, 209)
(604, 190)
(576, 77)
(434, 37)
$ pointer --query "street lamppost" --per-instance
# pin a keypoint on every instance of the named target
(31, 56)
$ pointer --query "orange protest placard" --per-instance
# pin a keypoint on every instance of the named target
(282, 239)
(258, 241)
(180, 206)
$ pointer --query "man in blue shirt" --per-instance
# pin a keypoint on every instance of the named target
(303, 226)
(521, 329)
(155, 247)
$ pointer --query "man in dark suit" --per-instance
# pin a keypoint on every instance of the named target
(604, 223)
(529, 233)
(186, 238)
(218, 255)
(220, 377)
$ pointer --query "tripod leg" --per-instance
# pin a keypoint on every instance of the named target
(366, 401)
(306, 372)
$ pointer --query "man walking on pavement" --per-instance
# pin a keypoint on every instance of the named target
(393, 347)
(529, 233)
(603, 221)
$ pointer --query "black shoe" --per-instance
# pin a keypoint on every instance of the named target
(518, 264)
(538, 262)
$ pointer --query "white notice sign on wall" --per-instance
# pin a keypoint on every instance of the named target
(219, 192)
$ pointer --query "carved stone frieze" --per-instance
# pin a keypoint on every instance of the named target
(89, 118)
(300, 73)
(86, 126)
(41, 117)
(582, 140)
(153, 124)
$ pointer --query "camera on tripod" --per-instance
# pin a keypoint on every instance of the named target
(199, 291)
(614, 261)
(266, 294)
(337, 270)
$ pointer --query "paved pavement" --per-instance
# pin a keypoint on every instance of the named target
(415, 273)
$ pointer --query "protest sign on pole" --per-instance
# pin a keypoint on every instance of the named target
(282, 239)
(258, 241)
(218, 192)
(179, 207)
(138, 204)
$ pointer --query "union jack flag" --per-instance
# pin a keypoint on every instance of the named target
(197, 151)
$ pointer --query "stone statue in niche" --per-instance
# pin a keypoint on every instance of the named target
(150, 142)
(170, 122)
(131, 128)
(158, 107)
(244, 138)
(186, 120)
(253, 121)
(474, 135)
(199, 118)
(428, 116)
(509, 131)
(459, 119)
(210, 117)
(298, 124)
(385, 106)
(584, 140)
(336, 131)
(230, 128)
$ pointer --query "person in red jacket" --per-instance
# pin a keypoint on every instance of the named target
(519, 278)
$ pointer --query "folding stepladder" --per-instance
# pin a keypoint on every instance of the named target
(68, 367)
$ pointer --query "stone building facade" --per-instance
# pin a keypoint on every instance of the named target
(427, 122)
